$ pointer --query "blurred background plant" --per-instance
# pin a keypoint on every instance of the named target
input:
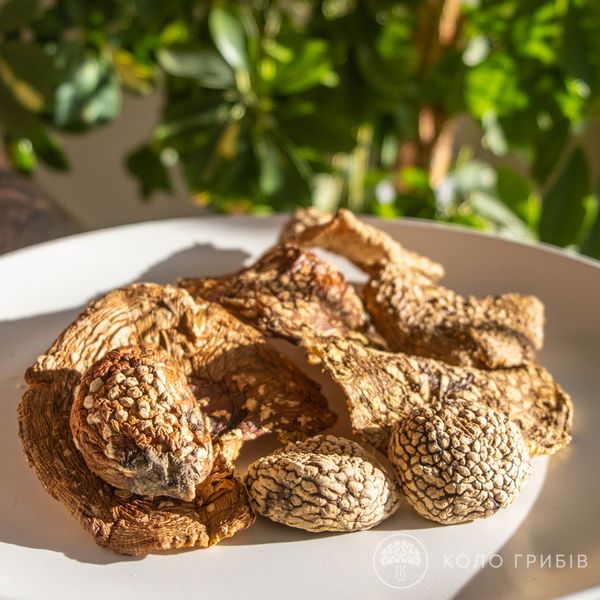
(269, 105)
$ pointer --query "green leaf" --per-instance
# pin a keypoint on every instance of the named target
(228, 34)
(563, 208)
(29, 63)
(202, 118)
(516, 192)
(494, 210)
(14, 119)
(493, 85)
(89, 93)
(204, 65)
(548, 149)
(21, 155)
(134, 75)
(15, 14)
(309, 68)
(591, 244)
(145, 164)
(50, 149)
(270, 176)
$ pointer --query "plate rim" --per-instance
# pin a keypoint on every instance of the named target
(535, 245)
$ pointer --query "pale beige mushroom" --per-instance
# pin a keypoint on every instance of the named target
(325, 483)
(458, 460)
(417, 316)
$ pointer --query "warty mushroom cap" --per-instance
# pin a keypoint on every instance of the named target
(138, 426)
(324, 483)
(458, 460)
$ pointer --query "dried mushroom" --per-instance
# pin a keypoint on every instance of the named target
(382, 387)
(458, 460)
(417, 316)
(241, 383)
(301, 220)
(138, 426)
(288, 293)
(363, 244)
(118, 520)
(325, 483)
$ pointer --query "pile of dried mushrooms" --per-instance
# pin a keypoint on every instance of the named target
(135, 415)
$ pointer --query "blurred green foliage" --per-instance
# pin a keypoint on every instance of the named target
(273, 104)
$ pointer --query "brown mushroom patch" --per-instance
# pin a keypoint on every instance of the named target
(138, 426)
(458, 460)
(418, 316)
(290, 293)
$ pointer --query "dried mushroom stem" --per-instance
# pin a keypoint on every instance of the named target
(290, 293)
(363, 244)
(419, 317)
(138, 426)
(458, 460)
(325, 483)
(382, 387)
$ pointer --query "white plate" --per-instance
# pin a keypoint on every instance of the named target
(546, 545)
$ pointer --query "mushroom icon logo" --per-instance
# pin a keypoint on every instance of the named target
(400, 561)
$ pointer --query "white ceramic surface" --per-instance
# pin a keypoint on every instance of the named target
(45, 554)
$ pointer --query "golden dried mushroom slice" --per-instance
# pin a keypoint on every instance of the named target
(138, 426)
(325, 483)
(241, 383)
(417, 316)
(459, 460)
(363, 244)
(382, 387)
(118, 520)
(288, 293)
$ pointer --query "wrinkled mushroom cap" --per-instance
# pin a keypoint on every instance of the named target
(458, 461)
(138, 426)
(291, 293)
(325, 483)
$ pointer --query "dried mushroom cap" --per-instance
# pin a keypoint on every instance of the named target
(417, 316)
(325, 483)
(458, 461)
(382, 387)
(138, 426)
(301, 220)
(288, 293)
(363, 244)
(118, 520)
(241, 383)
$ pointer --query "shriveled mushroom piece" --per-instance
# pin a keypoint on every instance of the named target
(325, 483)
(138, 426)
(382, 387)
(458, 460)
(417, 316)
(301, 220)
(363, 244)
(241, 383)
(288, 292)
(118, 520)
